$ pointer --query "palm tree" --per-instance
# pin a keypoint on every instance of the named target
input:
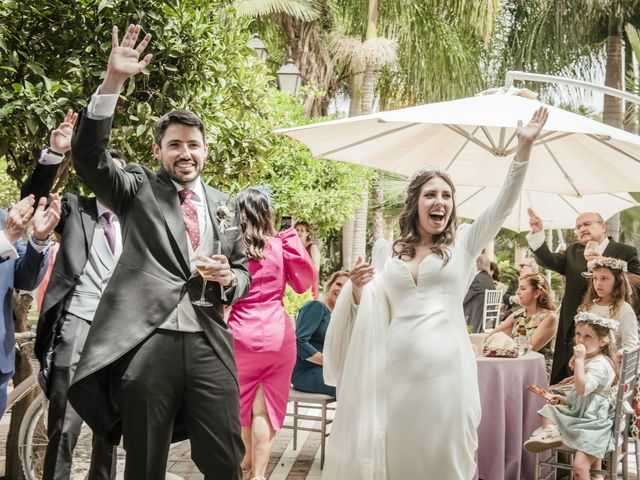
(545, 37)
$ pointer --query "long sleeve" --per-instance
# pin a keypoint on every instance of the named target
(309, 319)
(298, 266)
(484, 229)
(633, 265)
(553, 261)
(30, 267)
(113, 186)
(628, 326)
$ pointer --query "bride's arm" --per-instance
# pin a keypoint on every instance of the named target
(488, 224)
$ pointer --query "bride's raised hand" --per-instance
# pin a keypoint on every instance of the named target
(361, 274)
(529, 132)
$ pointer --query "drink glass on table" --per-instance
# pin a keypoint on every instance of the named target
(201, 267)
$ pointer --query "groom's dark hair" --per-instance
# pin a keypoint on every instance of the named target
(183, 117)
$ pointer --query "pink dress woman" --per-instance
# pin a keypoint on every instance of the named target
(264, 340)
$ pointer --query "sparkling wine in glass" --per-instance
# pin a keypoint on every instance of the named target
(590, 249)
(201, 267)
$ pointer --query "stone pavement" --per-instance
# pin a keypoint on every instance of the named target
(285, 463)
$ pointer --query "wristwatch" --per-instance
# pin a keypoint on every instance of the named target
(41, 243)
(56, 154)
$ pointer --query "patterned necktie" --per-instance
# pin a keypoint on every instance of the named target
(190, 217)
(110, 230)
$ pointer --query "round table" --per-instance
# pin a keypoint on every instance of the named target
(509, 415)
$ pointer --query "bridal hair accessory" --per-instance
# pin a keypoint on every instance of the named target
(224, 216)
(429, 169)
(594, 319)
(608, 262)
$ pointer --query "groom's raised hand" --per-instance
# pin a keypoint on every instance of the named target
(124, 60)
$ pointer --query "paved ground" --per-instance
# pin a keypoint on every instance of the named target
(285, 464)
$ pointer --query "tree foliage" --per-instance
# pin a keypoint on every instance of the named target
(53, 54)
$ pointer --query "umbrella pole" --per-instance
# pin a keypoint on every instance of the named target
(550, 245)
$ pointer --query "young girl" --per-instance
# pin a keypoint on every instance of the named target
(535, 317)
(582, 420)
(607, 296)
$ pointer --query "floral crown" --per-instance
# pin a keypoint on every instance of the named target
(429, 169)
(608, 262)
(594, 319)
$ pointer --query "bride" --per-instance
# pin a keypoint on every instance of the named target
(398, 350)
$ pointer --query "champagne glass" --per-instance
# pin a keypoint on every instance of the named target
(201, 266)
(590, 250)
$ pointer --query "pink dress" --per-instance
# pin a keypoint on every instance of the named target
(264, 340)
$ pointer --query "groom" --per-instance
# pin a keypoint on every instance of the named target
(156, 368)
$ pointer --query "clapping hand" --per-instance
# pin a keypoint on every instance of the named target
(535, 222)
(46, 218)
(18, 217)
(124, 60)
(60, 139)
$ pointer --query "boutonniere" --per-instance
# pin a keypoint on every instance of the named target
(224, 216)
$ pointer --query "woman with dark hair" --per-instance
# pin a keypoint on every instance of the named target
(397, 346)
(264, 340)
(311, 328)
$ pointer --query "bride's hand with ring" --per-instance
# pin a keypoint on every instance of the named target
(360, 275)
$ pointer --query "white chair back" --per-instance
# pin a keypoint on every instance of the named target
(491, 311)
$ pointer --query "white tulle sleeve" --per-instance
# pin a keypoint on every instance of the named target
(354, 361)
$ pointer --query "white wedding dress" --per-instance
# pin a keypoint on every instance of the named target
(408, 403)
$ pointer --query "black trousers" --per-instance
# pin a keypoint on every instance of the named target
(176, 379)
(64, 424)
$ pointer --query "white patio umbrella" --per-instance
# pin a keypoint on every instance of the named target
(556, 211)
(474, 140)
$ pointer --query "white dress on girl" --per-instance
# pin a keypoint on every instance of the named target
(586, 422)
(627, 334)
(408, 401)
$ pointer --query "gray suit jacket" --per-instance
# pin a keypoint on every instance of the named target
(152, 273)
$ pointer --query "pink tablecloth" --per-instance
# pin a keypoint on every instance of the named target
(508, 415)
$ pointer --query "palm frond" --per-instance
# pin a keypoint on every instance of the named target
(348, 51)
(380, 51)
(300, 9)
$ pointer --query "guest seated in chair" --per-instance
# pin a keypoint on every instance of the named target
(536, 315)
(311, 328)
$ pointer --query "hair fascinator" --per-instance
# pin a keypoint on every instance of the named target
(594, 319)
(606, 262)
(429, 169)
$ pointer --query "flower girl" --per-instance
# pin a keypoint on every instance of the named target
(607, 295)
(583, 420)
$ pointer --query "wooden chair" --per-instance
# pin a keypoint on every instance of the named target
(621, 424)
(491, 311)
(310, 400)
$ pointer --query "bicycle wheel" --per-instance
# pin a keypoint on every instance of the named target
(32, 438)
(33, 444)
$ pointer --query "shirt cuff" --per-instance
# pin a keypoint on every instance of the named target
(535, 240)
(36, 247)
(47, 157)
(6, 249)
(102, 106)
